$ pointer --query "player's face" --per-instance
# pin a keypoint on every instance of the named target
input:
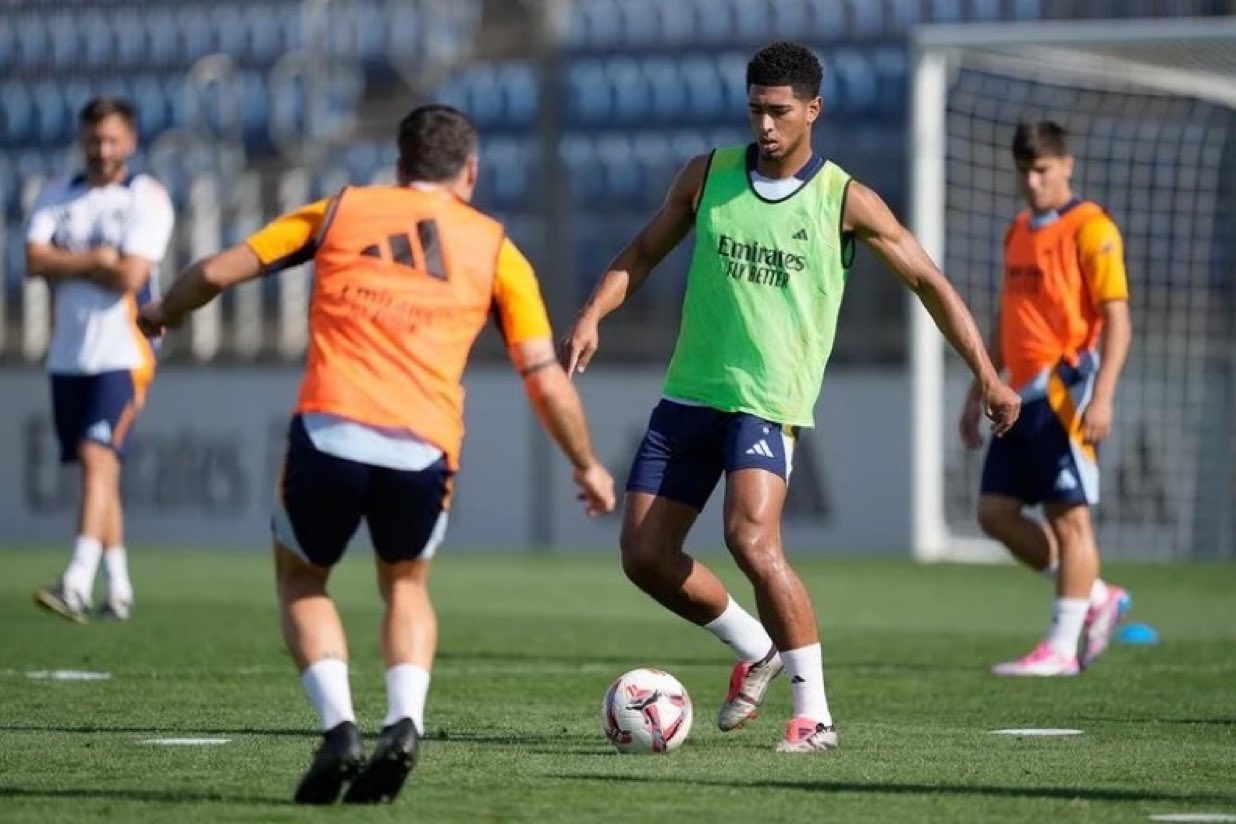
(107, 146)
(780, 121)
(1044, 182)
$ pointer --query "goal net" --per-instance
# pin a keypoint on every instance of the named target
(1151, 111)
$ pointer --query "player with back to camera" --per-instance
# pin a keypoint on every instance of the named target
(1065, 302)
(775, 227)
(97, 239)
(406, 277)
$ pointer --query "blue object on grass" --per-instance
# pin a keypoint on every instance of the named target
(1138, 634)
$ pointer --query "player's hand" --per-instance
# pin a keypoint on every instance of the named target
(1097, 420)
(579, 345)
(596, 489)
(104, 257)
(153, 321)
(1001, 405)
(968, 426)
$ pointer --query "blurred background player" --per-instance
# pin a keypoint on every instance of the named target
(406, 277)
(775, 227)
(1065, 302)
(97, 239)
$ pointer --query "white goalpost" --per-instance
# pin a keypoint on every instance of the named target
(1151, 109)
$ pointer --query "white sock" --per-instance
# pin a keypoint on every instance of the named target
(116, 565)
(1098, 592)
(741, 632)
(326, 684)
(805, 669)
(1066, 625)
(406, 687)
(79, 576)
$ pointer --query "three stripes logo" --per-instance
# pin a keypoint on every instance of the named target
(801, 234)
(761, 448)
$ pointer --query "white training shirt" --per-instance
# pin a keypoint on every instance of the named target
(94, 329)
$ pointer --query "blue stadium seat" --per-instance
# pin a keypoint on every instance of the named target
(829, 21)
(787, 17)
(714, 21)
(856, 89)
(703, 85)
(588, 93)
(30, 42)
(264, 39)
(903, 15)
(626, 81)
(945, 11)
(16, 113)
(50, 124)
(666, 93)
(162, 35)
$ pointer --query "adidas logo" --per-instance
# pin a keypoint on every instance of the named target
(801, 234)
(761, 448)
(1065, 481)
(100, 432)
(798, 679)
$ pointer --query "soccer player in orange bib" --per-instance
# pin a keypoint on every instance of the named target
(406, 277)
(1063, 334)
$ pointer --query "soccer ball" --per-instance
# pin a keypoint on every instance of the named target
(646, 710)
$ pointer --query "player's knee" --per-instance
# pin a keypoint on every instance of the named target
(994, 519)
(755, 548)
(1071, 526)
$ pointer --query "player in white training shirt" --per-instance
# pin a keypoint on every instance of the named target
(97, 239)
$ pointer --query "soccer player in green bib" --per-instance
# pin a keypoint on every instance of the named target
(775, 227)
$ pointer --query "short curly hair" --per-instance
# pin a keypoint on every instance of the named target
(786, 64)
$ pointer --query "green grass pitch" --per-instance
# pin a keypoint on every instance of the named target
(528, 645)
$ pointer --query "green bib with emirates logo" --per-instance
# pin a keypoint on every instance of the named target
(763, 293)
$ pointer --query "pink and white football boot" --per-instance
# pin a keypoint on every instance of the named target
(1043, 661)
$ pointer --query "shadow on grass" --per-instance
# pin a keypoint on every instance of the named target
(148, 796)
(886, 788)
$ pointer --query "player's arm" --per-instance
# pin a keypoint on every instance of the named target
(627, 272)
(871, 221)
(524, 325)
(45, 260)
(1101, 252)
(287, 241)
(52, 264)
(147, 233)
(972, 408)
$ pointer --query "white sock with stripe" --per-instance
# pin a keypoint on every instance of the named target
(804, 668)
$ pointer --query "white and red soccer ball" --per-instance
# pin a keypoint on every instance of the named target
(646, 711)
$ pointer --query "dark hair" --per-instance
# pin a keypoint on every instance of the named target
(98, 108)
(786, 64)
(435, 142)
(1040, 138)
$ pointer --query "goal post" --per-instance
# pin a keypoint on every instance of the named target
(1151, 110)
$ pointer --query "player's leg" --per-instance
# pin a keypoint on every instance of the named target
(754, 498)
(123, 400)
(671, 478)
(407, 516)
(83, 440)
(1030, 541)
(318, 508)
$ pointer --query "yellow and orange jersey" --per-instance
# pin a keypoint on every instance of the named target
(406, 278)
(1055, 278)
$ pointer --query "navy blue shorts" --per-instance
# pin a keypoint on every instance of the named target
(686, 448)
(322, 499)
(1042, 459)
(96, 408)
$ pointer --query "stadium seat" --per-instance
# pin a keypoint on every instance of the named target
(16, 113)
